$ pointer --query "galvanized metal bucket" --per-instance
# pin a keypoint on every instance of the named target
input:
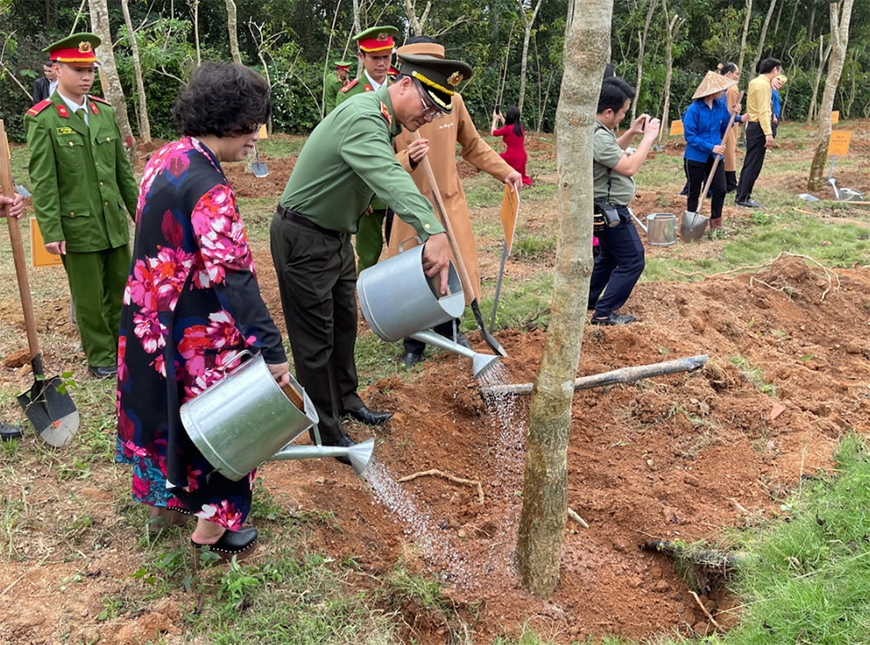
(244, 419)
(397, 299)
(661, 229)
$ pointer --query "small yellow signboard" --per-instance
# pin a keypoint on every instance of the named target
(835, 117)
(264, 134)
(39, 257)
(838, 144)
(676, 128)
(510, 210)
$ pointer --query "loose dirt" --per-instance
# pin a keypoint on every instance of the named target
(678, 457)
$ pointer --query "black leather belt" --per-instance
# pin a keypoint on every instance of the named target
(305, 222)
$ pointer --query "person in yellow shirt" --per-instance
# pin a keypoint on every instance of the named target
(759, 134)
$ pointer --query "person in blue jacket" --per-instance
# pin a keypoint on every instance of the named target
(704, 124)
(775, 102)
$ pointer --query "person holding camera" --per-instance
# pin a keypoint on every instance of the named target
(621, 260)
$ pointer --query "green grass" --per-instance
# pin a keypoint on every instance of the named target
(753, 375)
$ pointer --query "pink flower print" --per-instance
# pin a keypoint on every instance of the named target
(122, 353)
(140, 487)
(171, 229)
(224, 515)
(140, 287)
(192, 347)
(222, 330)
(131, 449)
(169, 270)
(192, 479)
(149, 330)
(126, 428)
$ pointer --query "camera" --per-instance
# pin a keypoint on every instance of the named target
(607, 214)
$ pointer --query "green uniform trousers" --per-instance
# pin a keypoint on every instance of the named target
(370, 239)
(317, 282)
(96, 283)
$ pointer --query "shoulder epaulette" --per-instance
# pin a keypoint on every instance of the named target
(99, 100)
(349, 85)
(39, 107)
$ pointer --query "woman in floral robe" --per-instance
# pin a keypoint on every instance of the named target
(191, 304)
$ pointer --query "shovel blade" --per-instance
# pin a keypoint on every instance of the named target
(51, 411)
(693, 226)
(259, 169)
(490, 340)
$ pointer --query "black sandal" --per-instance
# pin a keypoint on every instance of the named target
(239, 543)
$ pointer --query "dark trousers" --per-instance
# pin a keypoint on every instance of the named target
(317, 281)
(96, 283)
(698, 172)
(414, 346)
(617, 267)
(752, 162)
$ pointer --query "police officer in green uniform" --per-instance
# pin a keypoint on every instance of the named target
(375, 55)
(82, 183)
(347, 159)
(335, 80)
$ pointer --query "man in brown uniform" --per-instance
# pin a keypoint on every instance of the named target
(438, 141)
(730, 70)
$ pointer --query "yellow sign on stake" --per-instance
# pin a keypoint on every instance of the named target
(838, 144)
(835, 117)
(39, 257)
(264, 134)
(676, 128)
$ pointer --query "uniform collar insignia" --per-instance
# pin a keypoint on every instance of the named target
(94, 108)
(386, 114)
(62, 111)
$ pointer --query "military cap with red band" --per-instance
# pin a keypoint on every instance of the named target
(376, 39)
(77, 48)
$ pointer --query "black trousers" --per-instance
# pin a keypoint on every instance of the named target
(414, 346)
(617, 267)
(752, 162)
(698, 172)
(317, 280)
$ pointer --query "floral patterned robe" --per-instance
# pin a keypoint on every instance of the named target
(192, 276)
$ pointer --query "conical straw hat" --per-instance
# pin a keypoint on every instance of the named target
(713, 82)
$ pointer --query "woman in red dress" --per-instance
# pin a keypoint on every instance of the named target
(513, 135)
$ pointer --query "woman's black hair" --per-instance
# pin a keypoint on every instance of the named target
(512, 116)
(222, 99)
(725, 68)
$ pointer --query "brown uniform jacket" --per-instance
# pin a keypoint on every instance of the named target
(443, 135)
(730, 142)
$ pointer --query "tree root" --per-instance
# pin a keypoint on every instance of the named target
(453, 478)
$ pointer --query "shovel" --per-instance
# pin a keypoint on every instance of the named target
(257, 167)
(460, 265)
(47, 403)
(693, 225)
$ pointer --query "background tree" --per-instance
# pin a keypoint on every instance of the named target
(841, 15)
(642, 38)
(233, 31)
(528, 25)
(142, 111)
(545, 483)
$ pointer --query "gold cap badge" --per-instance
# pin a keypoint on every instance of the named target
(85, 47)
(455, 79)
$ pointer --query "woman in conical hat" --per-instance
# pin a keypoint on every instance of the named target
(704, 124)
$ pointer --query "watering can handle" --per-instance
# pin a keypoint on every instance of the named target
(415, 237)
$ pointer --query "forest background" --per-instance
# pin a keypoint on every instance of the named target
(666, 43)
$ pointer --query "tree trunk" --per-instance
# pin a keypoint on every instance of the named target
(545, 485)
(640, 54)
(528, 23)
(745, 33)
(778, 16)
(824, 55)
(841, 16)
(112, 89)
(672, 27)
(233, 28)
(764, 27)
(144, 125)
(195, 4)
(417, 23)
(357, 25)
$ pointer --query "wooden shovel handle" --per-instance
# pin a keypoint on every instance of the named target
(731, 124)
(442, 214)
(17, 247)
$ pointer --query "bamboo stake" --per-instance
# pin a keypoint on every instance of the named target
(622, 375)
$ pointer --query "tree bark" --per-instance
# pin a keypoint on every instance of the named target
(233, 29)
(761, 38)
(195, 4)
(144, 124)
(745, 33)
(640, 54)
(824, 56)
(673, 26)
(545, 485)
(528, 23)
(109, 79)
(841, 16)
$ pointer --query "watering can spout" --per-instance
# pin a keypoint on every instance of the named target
(359, 454)
(481, 363)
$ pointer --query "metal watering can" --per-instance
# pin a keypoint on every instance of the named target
(660, 228)
(397, 300)
(246, 419)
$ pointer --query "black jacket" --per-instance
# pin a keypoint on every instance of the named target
(41, 88)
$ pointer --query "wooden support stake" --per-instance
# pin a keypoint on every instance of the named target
(573, 515)
(623, 375)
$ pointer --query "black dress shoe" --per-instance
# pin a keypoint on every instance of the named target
(612, 319)
(410, 359)
(462, 339)
(344, 442)
(8, 432)
(239, 543)
(748, 203)
(369, 417)
(103, 372)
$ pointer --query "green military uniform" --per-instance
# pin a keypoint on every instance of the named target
(332, 86)
(347, 158)
(81, 183)
(370, 238)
